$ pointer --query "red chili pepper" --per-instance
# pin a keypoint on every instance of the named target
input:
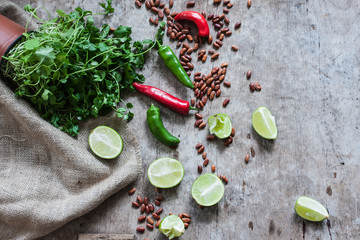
(198, 19)
(168, 100)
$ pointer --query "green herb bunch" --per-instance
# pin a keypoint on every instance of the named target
(70, 70)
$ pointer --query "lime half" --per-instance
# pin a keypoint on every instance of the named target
(310, 210)
(264, 123)
(105, 142)
(207, 190)
(165, 172)
(172, 226)
(220, 125)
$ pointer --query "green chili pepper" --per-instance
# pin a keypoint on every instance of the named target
(173, 63)
(157, 128)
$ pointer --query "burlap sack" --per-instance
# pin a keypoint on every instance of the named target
(48, 178)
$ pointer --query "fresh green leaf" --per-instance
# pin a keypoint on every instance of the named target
(61, 13)
(31, 44)
(108, 8)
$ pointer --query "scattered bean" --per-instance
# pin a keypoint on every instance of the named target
(201, 149)
(140, 229)
(249, 3)
(132, 191)
(252, 87)
(135, 204)
(159, 211)
(227, 84)
(149, 226)
(202, 125)
(149, 220)
(234, 48)
(159, 198)
(206, 162)
(200, 168)
(226, 102)
(190, 4)
(248, 74)
(247, 158)
(232, 132)
(224, 178)
(211, 137)
(257, 86)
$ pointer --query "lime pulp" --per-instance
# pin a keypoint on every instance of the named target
(105, 142)
(165, 172)
(310, 209)
(172, 226)
(264, 123)
(220, 125)
(207, 190)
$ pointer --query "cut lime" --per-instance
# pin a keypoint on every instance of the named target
(220, 125)
(165, 172)
(105, 142)
(264, 123)
(310, 210)
(207, 190)
(172, 226)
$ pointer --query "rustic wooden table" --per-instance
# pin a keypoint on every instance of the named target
(305, 54)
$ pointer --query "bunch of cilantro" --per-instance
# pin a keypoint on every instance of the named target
(71, 70)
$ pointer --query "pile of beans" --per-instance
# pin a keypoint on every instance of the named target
(147, 210)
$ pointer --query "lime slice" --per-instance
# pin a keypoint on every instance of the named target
(310, 210)
(165, 172)
(264, 123)
(105, 142)
(172, 226)
(220, 125)
(207, 190)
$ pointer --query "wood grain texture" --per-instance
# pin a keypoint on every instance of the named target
(106, 237)
(305, 54)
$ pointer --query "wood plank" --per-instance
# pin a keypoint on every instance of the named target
(92, 236)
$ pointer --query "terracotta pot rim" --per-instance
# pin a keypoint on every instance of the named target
(10, 47)
(10, 33)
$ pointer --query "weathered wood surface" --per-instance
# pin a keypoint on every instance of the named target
(91, 236)
(305, 54)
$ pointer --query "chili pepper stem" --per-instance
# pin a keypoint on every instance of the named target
(193, 108)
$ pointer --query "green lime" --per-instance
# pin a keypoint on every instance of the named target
(105, 142)
(310, 210)
(220, 125)
(172, 226)
(207, 190)
(165, 172)
(264, 123)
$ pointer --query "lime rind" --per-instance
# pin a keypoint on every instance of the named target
(207, 190)
(172, 226)
(310, 209)
(165, 172)
(264, 123)
(220, 125)
(105, 142)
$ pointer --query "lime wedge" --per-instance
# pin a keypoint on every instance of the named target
(165, 172)
(310, 210)
(264, 123)
(105, 142)
(172, 226)
(207, 190)
(220, 125)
